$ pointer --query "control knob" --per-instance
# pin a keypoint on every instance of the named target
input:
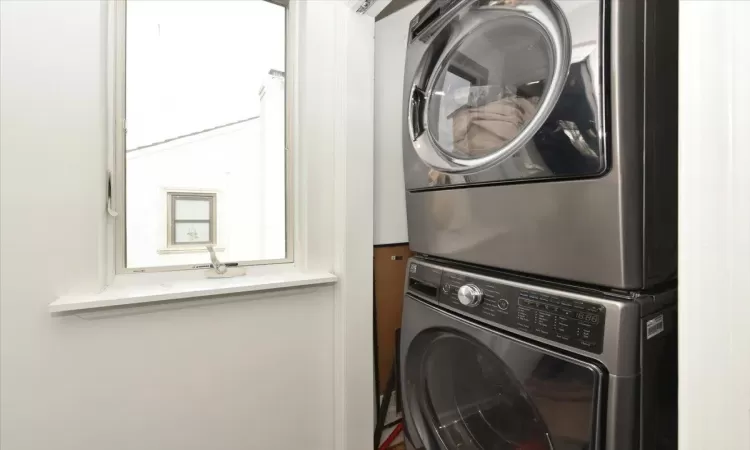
(470, 295)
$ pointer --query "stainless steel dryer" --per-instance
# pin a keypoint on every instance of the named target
(492, 362)
(541, 137)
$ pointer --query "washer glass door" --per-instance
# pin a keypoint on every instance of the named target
(489, 88)
(506, 92)
(510, 397)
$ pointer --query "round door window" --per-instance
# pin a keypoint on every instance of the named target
(489, 87)
(474, 400)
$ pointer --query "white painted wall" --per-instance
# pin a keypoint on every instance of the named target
(227, 374)
(390, 53)
(714, 336)
(354, 369)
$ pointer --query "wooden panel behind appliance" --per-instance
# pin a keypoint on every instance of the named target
(390, 272)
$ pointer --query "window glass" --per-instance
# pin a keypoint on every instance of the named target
(205, 109)
(192, 232)
(185, 209)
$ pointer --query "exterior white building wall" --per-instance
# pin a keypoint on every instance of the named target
(242, 163)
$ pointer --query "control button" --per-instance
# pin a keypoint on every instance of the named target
(470, 295)
(502, 304)
(447, 288)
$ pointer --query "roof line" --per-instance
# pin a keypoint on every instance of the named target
(191, 134)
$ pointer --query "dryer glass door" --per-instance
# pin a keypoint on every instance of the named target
(511, 397)
(489, 88)
(504, 92)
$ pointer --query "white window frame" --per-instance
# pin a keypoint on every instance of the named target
(172, 198)
(117, 157)
(219, 241)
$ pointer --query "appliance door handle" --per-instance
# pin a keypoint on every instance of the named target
(416, 109)
(552, 19)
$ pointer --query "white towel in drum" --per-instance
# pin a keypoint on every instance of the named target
(480, 130)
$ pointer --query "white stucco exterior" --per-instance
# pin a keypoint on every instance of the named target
(243, 164)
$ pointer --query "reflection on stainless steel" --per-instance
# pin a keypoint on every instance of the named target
(549, 442)
(576, 138)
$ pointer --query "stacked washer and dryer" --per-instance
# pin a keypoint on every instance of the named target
(540, 161)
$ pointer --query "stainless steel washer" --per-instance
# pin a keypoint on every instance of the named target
(490, 361)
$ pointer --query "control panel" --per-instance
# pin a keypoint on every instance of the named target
(561, 319)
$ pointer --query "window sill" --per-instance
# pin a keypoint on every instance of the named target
(135, 289)
(177, 250)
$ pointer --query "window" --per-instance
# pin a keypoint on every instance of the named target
(191, 219)
(201, 157)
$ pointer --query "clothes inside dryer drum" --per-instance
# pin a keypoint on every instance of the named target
(479, 130)
(481, 100)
